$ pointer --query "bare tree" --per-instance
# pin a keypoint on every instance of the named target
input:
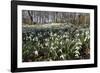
(46, 17)
(30, 15)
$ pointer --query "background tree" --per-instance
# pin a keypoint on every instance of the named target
(46, 17)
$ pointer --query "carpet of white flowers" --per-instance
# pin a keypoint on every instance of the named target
(72, 43)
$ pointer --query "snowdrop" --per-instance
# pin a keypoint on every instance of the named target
(77, 48)
(46, 44)
(55, 34)
(56, 39)
(87, 32)
(79, 43)
(85, 39)
(77, 30)
(77, 34)
(46, 39)
(38, 44)
(67, 39)
(41, 45)
(62, 56)
(33, 39)
(60, 50)
(50, 59)
(36, 38)
(61, 42)
(82, 34)
(29, 37)
(73, 40)
(77, 52)
(65, 36)
(53, 48)
(58, 36)
(52, 44)
(77, 55)
(36, 53)
(51, 34)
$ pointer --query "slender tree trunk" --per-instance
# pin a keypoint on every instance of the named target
(31, 19)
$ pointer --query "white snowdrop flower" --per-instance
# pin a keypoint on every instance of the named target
(30, 37)
(67, 36)
(77, 52)
(55, 34)
(51, 34)
(38, 34)
(77, 55)
(79, 40)
(77, 34)
(80, 46)
(77, 30)
(62, 56)
(64, 35)
(87, 32)
(82, 33)
(53, 48)
(56, 38)
(61, 42)
(67, 39)
(77, 48)
(51, 44)
(36, 53)
(60, 50)
(73, 40)
(33, 39)
(46, 39)
(41, 46)
(79, 43)
(50, 59)
(36, 39)
(46, 44)
(85, 39)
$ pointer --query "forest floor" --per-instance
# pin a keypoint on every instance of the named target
(50, 26)
(56, 25)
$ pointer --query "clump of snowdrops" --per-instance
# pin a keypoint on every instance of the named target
(55, 44)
